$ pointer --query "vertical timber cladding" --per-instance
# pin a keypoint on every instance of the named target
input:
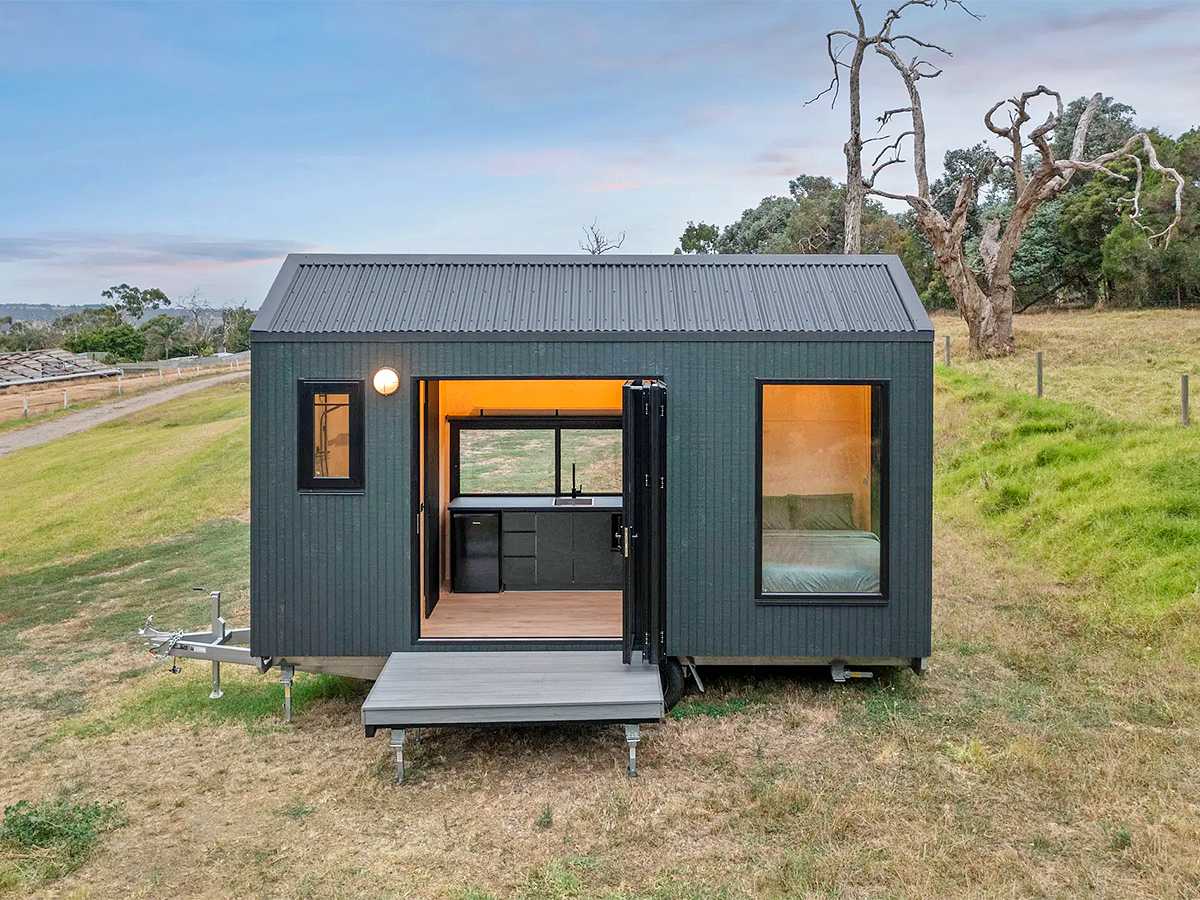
(331, 574)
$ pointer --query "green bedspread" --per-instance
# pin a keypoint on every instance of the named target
(820, 562)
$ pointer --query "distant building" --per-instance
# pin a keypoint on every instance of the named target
(40, 366)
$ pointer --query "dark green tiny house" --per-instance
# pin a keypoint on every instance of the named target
(694, 459)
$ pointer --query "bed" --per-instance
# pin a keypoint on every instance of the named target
(810, 546)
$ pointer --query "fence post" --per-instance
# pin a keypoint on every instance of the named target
(947, 349)
(64, 398)
(197, 368)
(160, 375)
(119, 391)
(1183, 398)
(1039, 373)
(179, 373)
(143, 381)
(25, 406)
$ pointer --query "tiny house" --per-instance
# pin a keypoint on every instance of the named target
(510, 487)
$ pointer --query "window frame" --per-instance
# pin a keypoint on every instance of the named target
(557, 424)
(880, 397)
(307, 482)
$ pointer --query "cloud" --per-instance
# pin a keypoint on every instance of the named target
(99, 250)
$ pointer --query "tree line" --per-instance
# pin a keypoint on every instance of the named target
(121, 332)
(1079, 249)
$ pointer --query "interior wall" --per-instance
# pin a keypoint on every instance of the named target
(817, 440)
(536, 395)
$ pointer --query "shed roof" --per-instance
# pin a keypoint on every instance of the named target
(37, 366)
(400, 297)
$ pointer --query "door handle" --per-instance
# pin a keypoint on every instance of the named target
(625, 540)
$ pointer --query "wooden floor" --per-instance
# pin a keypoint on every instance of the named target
(507, 686)
(526, 614)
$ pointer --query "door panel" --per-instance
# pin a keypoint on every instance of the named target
(644, 412)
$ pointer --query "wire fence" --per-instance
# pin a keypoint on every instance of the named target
(34, 400)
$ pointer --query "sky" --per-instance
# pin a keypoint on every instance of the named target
(192, 146)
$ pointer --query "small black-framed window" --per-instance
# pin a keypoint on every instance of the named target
(821, 491)
(330, 436)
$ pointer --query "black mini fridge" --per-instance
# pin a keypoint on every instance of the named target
(475, 553)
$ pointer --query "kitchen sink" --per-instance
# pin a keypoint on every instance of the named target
(573, 501)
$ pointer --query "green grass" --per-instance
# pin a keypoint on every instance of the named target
(44, 841)
(113, 591)
(252, 699)
(1111, 504)
(128, 482)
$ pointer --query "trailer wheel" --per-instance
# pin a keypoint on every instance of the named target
(671, 673)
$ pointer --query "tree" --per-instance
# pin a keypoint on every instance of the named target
(121, 342)
(596, 242)
(196, 331)
(235, 328)
(132, 302)
(985, 298)
(699, 238)
(858, 187)
(161, 333)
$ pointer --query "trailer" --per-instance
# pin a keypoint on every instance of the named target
(547, 488)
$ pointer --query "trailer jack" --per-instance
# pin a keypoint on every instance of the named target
(217, 645)
(840, 673)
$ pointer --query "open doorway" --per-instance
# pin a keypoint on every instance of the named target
(520, 484)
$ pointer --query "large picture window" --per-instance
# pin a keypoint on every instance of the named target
(535, 455)
(822, 472)
(330, 419)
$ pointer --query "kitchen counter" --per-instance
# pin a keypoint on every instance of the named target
(482, 504)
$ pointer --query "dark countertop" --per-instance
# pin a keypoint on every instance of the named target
(482, 504)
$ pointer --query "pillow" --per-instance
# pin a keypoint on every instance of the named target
(776, 513)
(821, 512)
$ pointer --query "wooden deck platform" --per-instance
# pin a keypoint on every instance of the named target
(525, 615)
(508, 687)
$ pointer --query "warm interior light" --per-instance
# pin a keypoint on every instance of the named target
(386, 381)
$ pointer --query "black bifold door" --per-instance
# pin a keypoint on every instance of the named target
(644, 410)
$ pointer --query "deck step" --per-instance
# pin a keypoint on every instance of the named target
(508, 687)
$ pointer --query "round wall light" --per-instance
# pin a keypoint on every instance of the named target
(386, 381)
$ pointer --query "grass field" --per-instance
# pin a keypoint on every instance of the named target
(1050, 752)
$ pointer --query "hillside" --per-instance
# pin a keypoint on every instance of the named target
(1050, 750)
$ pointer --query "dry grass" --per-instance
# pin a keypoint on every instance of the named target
(1033, 760)
(1126, 364)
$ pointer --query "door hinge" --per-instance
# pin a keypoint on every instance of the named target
(647, 479)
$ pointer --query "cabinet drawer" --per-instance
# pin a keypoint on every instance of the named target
(520, 543)
(519, 521)
(519, 572)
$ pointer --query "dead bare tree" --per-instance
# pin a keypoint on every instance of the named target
(985, 299)
(596, 242)
(857, 187)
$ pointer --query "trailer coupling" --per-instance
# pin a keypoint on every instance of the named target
(217, 645)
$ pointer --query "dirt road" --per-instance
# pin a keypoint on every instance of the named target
(81, 421)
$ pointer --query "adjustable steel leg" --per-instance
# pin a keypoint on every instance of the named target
(285, 678)
(633, 734)
(218, 637)
(397, 744)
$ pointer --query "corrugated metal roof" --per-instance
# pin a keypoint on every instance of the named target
(36, 366)
(325, 294)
